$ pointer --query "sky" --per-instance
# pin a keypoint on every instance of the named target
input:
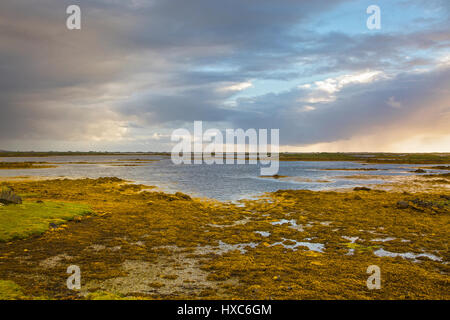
(139, 69)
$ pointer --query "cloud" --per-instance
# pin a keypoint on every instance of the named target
(139, 68)
(359, 108)
(237, 87)
(325, 90)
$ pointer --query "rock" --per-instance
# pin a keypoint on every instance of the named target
(361, 189)
(39, 201)
(422, 203)
(52, 225)
(402, 204)
(357, 197)
(171, 198)
(255, 288)
(183, 196)
(420, 171)
(7, 196)
(275, 176)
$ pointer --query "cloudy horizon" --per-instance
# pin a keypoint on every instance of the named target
(138, 69)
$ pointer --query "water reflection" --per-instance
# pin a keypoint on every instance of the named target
(222, 182)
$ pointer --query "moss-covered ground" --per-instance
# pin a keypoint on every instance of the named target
(144, 244)
(33, 218)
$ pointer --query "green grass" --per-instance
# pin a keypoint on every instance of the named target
(30, 218)
(9, 290)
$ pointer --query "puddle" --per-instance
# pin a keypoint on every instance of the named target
(350, 251)
(383, 239)
(292, 224)
(351, 239)
(284, 221)
(318, 247)
(263, 233)
(406, 255)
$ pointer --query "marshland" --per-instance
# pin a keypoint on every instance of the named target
(140, 227)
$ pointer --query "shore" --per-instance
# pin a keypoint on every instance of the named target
(365, 157)
(136, 243)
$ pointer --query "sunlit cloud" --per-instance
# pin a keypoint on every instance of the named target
(331, 86)
(237, 87)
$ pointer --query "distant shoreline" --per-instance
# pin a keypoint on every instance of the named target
(367, 157)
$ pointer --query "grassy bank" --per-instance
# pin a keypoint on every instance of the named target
(31, 218)
(9, 290)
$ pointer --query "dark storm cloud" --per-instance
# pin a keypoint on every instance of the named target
(383, 51)
(42, 62)
(157, 64)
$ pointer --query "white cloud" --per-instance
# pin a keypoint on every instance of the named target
(237, 86)
(325, 90)
(308, 108)
(333, 85)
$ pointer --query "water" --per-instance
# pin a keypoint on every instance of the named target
(318, 247)
(222, 182)
(407, 255)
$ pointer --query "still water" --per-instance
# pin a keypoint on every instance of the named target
(222, 182)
